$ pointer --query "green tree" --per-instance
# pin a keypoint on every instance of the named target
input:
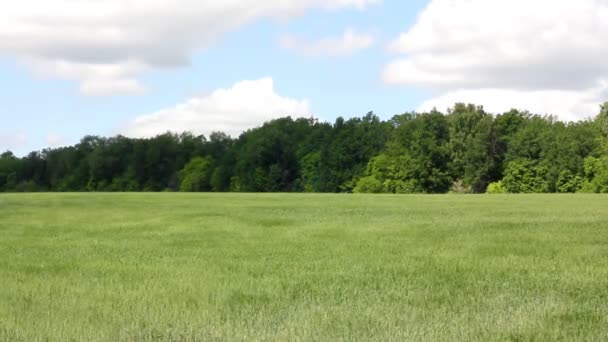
(602, 118)
(596, 175)
(470, 160)
(310, 171)
(411, 153)
(417, 157)
(525, 176)
(267, 157)
(196, 175)
(9, 166)
(368, 185)
(348, 150)
(568, 182)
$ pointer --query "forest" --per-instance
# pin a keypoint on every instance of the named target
(465, 150)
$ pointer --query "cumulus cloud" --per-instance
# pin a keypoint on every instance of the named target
(9, 141)
(349, 43)
(247, 104)
(106, 44)
(567, 104)
(512, 50)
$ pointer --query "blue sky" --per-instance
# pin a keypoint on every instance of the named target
(404, 55)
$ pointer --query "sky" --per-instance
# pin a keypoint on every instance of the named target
(70, 68)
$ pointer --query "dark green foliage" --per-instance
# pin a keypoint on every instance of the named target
(9, 165)
(350, 146)
(267, 159)
(394, 173)
(568, 182)
(596, 175)
(471, 152)
(417, 157)
(465, 150)
(602, 118)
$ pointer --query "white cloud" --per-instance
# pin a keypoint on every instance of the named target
(106, 44)
(247, 104)
(10, 141)
(349, 43)
(569, 105)
(55, 140)
(95, 79)
(553, 49)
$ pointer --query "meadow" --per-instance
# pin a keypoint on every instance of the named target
(289, 267)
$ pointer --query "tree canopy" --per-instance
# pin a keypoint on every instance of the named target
(464, 150)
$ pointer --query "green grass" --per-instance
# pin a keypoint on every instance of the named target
(201, 267)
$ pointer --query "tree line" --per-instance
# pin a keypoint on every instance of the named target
(465, 150)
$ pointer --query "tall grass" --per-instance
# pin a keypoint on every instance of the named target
(200, 267)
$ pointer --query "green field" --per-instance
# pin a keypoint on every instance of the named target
(200, 267)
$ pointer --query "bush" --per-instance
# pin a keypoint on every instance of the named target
(525, 176)
(458, 187)
(409, 186)
(28, 186)
(496, 188)
(368, 185)
(596, 173)
(588, 188)
(196, 175)
(568, 182)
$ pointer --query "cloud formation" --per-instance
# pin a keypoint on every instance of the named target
(247, 104)
(106, 45)
(511, 50)
(345, 45)
(569, 105)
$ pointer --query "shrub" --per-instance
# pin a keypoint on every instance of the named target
(525, 176)
(369, 185)
(596, 173)
(567, 182)
(458, 187)
(196, 175)
(496, 188)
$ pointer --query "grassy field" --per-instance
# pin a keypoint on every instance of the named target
(201, 267)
